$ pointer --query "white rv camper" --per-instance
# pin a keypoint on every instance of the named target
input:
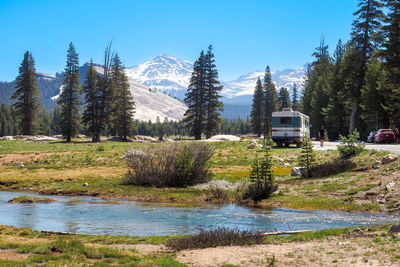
(289, 127)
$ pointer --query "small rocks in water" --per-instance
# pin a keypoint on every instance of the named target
(296, 171)
(394, 228)
(389, 186)
(389, 158)
(85, 184)
(355, 231)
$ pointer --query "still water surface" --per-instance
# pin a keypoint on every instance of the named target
(97, 216)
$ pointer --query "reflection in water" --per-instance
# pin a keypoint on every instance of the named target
(96, 216)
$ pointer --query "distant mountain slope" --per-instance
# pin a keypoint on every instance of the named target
(171, 75)
(164, 73)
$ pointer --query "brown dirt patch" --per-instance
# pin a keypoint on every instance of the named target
(27, 157)
(11, 255)
(335, 251)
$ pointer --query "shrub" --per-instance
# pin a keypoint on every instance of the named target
(217, 237)
(261, 178)
(330, 168)
(216, 193)
(100, 148)
(350, 146)
(307, 156)
(164, 165)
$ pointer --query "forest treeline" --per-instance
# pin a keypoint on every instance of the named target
(358, 86)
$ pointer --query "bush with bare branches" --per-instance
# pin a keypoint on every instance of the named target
(169, 165)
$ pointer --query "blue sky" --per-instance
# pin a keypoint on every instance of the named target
(247, 35)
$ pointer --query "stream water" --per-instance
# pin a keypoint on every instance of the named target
(117, 217)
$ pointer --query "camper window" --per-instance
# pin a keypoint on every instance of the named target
(286, 120)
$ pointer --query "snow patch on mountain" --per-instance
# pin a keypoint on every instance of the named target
(164, 73)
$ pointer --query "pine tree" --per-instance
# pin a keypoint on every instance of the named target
(366, 38)
(391, 64)
(27, 96)
(212, 91)
(69, 99)
(307, 156)
(284, 98)
(92, 94)
(257, 109)
(336, 112)
(124, 106)
(295, 101)
(195, 115)
(271, 100)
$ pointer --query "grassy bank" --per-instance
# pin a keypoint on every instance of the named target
(85, 168)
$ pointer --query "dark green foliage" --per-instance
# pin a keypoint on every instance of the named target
(92, 94)
(217, 237)
(8, 122)
(261, 178)
(336, 112)
(212, 91)
(330, 168)
(70, 96)
(257, 109)
(123, 106)
(177, 165)
(307, 156)
(350, 146)
(366, 38)
(271, 100)
(284, 99)
(27, 96)
(195, 115)
(391, 63)
(295, 100)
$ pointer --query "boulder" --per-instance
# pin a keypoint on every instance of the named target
(85, 184)
(223, 137)
(102, 159)
(355, 231)
(389, 186)
(145, 138)
(395, 228)
(389, 158)
(297, 171)
(252, 146)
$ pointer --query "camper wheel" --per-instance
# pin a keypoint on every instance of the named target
(279, 144)
(298, 145)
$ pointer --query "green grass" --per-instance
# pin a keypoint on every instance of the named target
(30, 199)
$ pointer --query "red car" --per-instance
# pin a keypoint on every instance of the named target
(384, 135)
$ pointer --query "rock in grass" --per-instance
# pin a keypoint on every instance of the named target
(355, 231)
(29, 199)
(85, 184)
(389, 158)
(297, 171)
(395, 228)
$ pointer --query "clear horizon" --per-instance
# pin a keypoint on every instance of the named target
(246, 35)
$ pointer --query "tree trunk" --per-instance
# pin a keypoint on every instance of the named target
(353, 116)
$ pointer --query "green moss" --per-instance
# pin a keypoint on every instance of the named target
(30, 199)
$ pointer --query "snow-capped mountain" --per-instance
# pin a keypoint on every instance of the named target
(171, 75)
(150, 103)
(164, 73)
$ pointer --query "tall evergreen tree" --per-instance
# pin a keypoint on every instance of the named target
(391, 64)
(257, 109)
(336, 112)
(284, 98)
(92, 94)
(295, 100)
(271, 100)
(212, 91)
(124, 106)
(366, 38)
(195, 115)
(69, 99)
(26, 96)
